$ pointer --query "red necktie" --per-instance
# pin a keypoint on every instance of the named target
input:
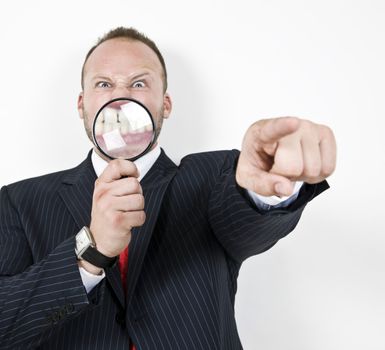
(123, 265)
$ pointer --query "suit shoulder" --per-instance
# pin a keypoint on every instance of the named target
(200, 171)
(47, 183)
(214, 160)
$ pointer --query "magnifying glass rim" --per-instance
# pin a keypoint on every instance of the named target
(131, 100)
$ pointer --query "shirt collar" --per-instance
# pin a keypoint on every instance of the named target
(143, 164)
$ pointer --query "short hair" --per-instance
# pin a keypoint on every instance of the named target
(129, 34)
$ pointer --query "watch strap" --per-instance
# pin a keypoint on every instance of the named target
(98, 259)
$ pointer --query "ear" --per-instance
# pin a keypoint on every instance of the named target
(80, 105)
(167, 105)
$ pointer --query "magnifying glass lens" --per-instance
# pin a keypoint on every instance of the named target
(124, 128)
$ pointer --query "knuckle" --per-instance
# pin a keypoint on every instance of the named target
(134, 185)
(100, 189)
(116, 219)
(128, 166)
(142, 217)
(327, 169)
(119, 162)
(131, 203)
(308, 127)
(326, 131)
(139, 201)
(293, 170)
(114, 165)
(132, 167)
(312, 170)
(138, 218)
(131, 181)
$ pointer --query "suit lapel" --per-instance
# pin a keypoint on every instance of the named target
(115, 281)
(154, 186)
(77, 191)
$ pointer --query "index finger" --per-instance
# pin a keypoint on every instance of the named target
(118, 168)
(275, 129)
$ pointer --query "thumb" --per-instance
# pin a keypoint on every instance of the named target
(267, 184)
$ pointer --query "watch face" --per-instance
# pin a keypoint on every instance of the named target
(83, 241)
(85, 249)
(81, 238)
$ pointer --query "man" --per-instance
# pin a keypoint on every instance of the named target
(181, 233)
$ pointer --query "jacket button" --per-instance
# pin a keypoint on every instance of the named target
(69, 308)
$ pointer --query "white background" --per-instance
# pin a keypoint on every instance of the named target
(231, 63)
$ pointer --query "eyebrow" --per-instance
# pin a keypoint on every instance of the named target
(135, 77)
(101, 77)
(141, 75)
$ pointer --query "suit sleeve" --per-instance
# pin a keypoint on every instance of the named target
(242, 228)
(35, 297)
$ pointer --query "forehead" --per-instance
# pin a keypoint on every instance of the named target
(122, 56)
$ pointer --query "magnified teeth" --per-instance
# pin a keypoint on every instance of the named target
(110, 119)
(137, 126)
(124, 124)
(148, 127)
(110, 115)
(141, 129)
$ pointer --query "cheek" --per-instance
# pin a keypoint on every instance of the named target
(153, 104)
(157, 114)
(141, 97)
(91, 105)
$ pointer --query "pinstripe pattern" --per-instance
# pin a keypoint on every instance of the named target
(183, 266)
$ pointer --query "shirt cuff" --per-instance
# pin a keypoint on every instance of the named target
(90, 280)
(272, 202)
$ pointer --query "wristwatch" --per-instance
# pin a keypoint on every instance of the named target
(85, 249)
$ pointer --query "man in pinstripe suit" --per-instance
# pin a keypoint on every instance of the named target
(188, 228)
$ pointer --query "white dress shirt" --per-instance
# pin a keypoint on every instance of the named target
(144, 164)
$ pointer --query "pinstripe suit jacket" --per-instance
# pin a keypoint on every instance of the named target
(183, 262)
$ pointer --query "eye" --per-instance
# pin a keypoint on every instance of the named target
(139, 84)
(103, 84)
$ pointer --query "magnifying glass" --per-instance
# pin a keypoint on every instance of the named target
(123, 128)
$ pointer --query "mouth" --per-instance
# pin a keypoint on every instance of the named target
(111, 119)
(123, 130)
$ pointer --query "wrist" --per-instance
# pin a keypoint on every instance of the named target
(86, 251)
(94, 270)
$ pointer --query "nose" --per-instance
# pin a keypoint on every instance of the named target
(121, 92)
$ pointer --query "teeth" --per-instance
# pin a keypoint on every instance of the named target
(110, 119)
(141, 129)
(125, 127)
(108, 127)
(133, 126)
(148, 127)
(110, 115)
